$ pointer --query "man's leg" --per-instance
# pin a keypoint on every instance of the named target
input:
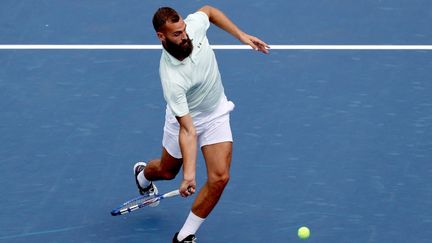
(164, 168)
(218, 161)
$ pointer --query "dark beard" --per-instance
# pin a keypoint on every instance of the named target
(181, 51)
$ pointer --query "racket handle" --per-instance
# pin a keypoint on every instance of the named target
(171, 193)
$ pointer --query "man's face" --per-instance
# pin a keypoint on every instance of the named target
(175, 39)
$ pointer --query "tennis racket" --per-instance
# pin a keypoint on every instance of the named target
(140, 202)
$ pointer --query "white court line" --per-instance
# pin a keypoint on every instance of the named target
(220, 47)
(332, 47)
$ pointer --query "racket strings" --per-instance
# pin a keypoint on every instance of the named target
(138, 201)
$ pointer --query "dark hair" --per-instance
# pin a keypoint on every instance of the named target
(163, 15)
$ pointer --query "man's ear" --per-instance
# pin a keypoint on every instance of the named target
(161, 36)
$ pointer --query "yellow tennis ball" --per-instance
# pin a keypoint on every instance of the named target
(303, 233)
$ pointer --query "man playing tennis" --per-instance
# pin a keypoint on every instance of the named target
(197, 112)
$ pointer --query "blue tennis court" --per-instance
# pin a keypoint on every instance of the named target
(336, 140)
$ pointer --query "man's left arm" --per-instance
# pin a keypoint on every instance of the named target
(219, 19)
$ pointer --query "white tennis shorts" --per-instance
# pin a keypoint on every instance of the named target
(211, 128)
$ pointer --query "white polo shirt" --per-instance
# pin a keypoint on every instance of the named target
(194, 85)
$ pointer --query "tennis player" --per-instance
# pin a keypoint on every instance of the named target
(197, 112)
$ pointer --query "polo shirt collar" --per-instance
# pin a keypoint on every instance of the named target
(174, 61)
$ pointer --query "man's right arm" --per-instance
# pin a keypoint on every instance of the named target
(188, 147)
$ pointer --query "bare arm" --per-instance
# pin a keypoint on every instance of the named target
(188, 147)
(219, 19)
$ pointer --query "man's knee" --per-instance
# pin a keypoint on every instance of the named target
(168, 174)
(157, 172)
(219, 181)
(169, 166)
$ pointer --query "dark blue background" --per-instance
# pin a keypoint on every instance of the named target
(339, 141)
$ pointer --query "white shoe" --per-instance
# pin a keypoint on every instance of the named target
(151, 190)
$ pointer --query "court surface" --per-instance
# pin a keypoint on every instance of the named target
(339, 141)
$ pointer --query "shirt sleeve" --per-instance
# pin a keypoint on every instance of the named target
(199, 22)
(177, 102)
(174, 94)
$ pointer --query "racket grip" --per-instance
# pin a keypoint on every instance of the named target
(172, 193)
